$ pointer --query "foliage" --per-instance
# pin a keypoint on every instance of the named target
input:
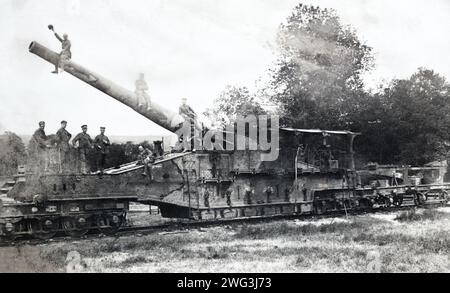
(421, 108)
(12, 153)
(119, 154)
(408, 122)
(317, 79)
(232, 102)
(317, 83)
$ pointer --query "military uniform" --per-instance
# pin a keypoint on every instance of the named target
(187, 112)
(84, 145)
(38, 152)
(39, 139)
(147, 159)
(62, 140)
(145, 153)
(102, 144)
(141, 88)
(65, 54)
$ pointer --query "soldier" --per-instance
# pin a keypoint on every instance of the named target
(186, 111)
(179, 145)
(206, 198)
(268, 191)
(141, 88)
(83, 142)
(191, 117)
(38, 148)
(248, 192)
(102, 144)
(40, 137)
(228, 194)
(65, 54)
(287, 192)
(62, 141)
(147, 159)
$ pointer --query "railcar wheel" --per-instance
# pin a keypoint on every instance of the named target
(444, 195)
(419, 199)
(320, 207)
(110, 224)
(13, 230)
(365, 204)
(75, 226)
(43, 229)
(387, 202)
(398, 200)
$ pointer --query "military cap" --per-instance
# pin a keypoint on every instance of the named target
(83, 126)
(102, 127)
(64, 121)
(41, 123)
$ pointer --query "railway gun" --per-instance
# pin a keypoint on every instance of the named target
(314, 174)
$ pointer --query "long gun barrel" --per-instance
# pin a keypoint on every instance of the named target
(161, 116)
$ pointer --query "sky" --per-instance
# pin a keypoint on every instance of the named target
(186, 48)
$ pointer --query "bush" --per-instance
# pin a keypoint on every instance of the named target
(12, 153)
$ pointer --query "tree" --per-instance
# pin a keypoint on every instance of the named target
(233, 101)
(421, 107)
(12, 153)
(375, 120)
(119, 154)
(318, 74)
(407, 122)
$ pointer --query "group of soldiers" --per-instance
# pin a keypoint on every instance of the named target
(82, 142)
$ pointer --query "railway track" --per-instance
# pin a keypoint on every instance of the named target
(180, 225)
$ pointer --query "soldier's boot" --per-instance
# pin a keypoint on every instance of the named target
(145, 170)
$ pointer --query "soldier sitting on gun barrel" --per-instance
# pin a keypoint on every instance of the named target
(141, 89)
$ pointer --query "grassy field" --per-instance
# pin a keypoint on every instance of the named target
(417, 241)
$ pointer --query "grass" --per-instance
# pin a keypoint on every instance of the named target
(133, 260)
(414, 215)
(284, 229)
(359, 244)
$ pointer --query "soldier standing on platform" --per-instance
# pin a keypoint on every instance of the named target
(38, 148)
(62, 140)
(83, 142)
(102, 144)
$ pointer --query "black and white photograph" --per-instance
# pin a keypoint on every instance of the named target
(244, 137)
